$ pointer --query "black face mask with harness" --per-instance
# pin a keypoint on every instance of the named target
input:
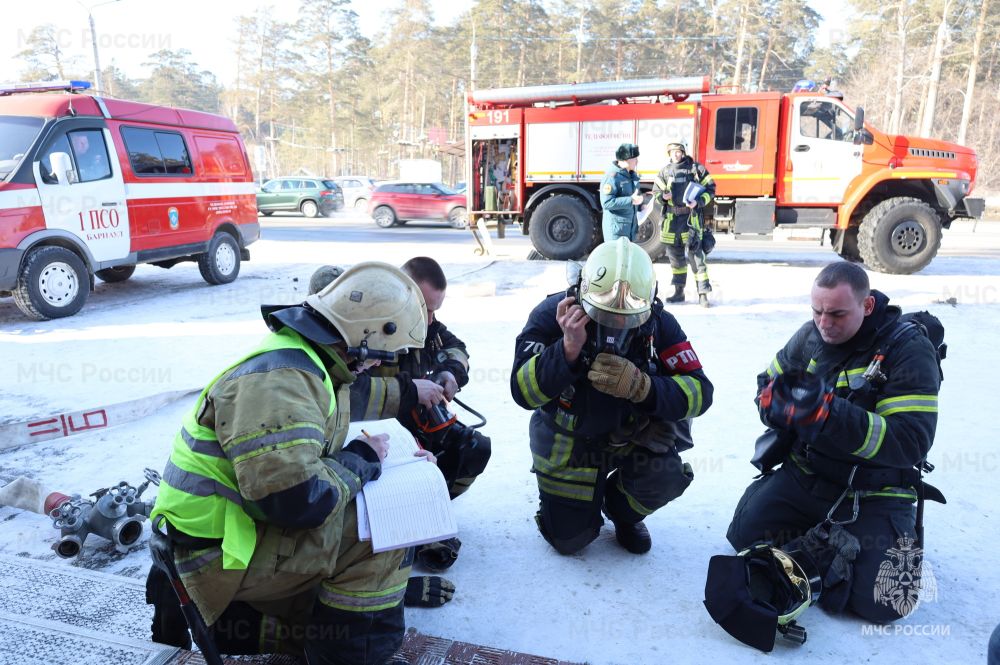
(461, 450)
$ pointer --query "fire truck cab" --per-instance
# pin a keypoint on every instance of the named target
(92, 186)
(801, 159)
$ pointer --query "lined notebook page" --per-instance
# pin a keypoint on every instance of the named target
(402, 445)
(409, 505)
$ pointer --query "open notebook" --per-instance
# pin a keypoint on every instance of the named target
(409, 503)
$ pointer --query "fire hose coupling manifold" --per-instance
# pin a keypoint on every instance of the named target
(116, 513)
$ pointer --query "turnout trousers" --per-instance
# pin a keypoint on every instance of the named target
(579, 478)
(681, 258)
(319, 593)
(786, 503)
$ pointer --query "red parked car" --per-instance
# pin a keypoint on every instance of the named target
(398, 202)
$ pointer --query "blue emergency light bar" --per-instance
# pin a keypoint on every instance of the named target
(43, 86)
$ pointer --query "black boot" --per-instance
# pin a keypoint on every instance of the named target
(437, 557)
(703, 299)
(678, 295)
(633, 537)
(169, 625)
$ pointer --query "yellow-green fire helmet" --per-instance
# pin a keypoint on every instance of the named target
(617, 285)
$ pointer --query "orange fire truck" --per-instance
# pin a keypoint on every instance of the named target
(537, 155)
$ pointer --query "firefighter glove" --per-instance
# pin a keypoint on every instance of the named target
(428, 591)
(439, 556)
(798, 400)
(618, 377)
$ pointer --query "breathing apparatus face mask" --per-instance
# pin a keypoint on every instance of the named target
(615, 341)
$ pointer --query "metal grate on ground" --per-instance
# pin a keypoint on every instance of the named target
(53, 612)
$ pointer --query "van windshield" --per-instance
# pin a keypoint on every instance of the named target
(17, 133)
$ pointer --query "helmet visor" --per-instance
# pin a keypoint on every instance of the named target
(618, 307)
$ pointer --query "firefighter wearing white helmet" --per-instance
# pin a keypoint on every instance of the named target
(684, 188)
(260, 469)
(613, 383)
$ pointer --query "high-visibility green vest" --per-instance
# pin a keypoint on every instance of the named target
(199, 494)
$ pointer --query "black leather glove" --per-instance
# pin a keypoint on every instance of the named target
(797, 400)
(439, 556)
(428, 591)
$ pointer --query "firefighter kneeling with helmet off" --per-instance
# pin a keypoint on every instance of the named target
(851, 406)
(613, 382)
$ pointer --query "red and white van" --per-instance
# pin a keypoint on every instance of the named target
(92, 186)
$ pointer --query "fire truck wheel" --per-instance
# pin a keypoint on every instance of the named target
(899, 236)
(458, 218)
(309, 208)
(384, 216)
(116, 274)
(648, 236)
(53, 283)
(562, 228)
(221, 263)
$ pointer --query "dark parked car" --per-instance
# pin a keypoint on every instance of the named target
(399, 202)
(310, 196)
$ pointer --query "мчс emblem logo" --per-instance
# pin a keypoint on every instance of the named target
(904, 578)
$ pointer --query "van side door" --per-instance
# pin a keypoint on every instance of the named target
(88, 200)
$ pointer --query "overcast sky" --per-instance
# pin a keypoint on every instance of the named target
(129, 30)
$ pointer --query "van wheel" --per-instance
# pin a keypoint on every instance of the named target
(562, 227)
(221, 263)
(384, 216)
(309, 208)
(53, 283)
(116, 274)
(458, 218)
(899, 236)
(266, 213)
(361, 205)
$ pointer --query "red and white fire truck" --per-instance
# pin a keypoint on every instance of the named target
(93, 185)
(537, 156)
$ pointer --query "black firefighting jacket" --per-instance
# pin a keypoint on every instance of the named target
(882, 424)
(543, 379)
(387, 390)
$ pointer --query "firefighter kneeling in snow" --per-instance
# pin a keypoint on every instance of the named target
(258, 495)
(613, 383)
(852, 400)
(683, 222)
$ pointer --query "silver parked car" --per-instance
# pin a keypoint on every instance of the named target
(357, 190)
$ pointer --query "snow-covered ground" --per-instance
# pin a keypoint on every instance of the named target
(167, 330)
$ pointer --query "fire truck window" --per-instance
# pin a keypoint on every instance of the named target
(736, 128)
(61, 144)
(825, 120)
(174, 153)
(90, 154)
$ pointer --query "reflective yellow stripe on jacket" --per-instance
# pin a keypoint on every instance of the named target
(199, 494)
